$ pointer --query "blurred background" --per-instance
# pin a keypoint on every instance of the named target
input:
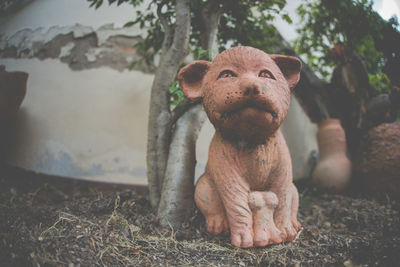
(86, 107)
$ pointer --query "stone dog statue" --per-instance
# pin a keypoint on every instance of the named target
(247, 187)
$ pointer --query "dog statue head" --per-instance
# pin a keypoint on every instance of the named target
(245, 91)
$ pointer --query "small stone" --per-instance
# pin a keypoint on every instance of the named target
(134, 228)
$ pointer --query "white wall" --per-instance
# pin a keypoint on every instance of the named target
(47, 13)
(92, 123)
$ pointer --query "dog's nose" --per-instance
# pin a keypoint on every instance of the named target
(252, 90)
(249, 87)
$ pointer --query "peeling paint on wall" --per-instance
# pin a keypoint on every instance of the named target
(81, 47)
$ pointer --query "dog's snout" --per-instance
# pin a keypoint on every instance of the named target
(256, 91)
(249, 87)
(251, 90)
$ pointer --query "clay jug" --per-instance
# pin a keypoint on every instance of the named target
(333, 170)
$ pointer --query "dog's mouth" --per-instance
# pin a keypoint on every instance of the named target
(261, 107)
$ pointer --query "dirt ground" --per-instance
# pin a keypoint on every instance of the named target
(57, 222)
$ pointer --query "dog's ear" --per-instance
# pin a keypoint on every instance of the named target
(290, 67)
(191, 78)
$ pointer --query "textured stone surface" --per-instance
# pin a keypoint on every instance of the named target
(378, 163)
(247, 187)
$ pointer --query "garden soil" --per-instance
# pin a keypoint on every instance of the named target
(49, 221)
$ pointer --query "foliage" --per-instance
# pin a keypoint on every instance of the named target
(332, 32)
(98, 3)
(175, 93)
(380, 82)
(244, 22)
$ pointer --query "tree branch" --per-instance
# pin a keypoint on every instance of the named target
(181, 108)
(159, 132)
(165, 25)
(177, 200)
(210, 15)
(163, 18)
(184, 126)
(180, 41)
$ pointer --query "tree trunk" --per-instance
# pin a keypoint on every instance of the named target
(158, 133)
(177, 196)
(178, 188)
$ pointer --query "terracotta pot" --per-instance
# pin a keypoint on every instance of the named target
(333, 170)
(378, 159)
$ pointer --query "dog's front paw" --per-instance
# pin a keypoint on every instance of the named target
(267, 236)
(217, 224)
(288, 229)
(242, 238)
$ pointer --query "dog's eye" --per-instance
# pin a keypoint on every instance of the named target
(226, 74)
(266, 74)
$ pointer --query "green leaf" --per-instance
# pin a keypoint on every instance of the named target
(287, 18)
(173, 89)
(129, 23)
(201, 53)
(179, 94)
